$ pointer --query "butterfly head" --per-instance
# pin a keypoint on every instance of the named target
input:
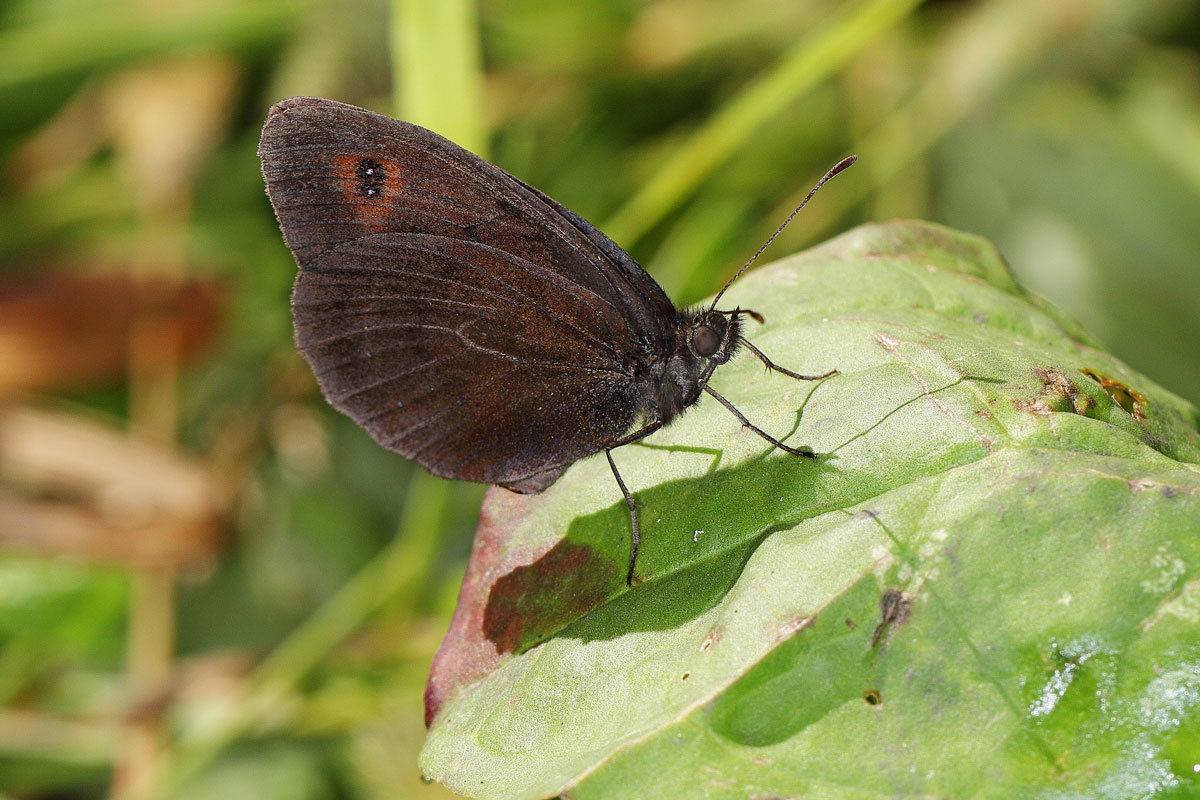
(715, 335)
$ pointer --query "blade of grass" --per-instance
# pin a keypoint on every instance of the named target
(47, 738)
(971, 63)
(806, 65)
(437, 78)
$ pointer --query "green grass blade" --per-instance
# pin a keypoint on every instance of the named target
(437, 75)
(810, 62)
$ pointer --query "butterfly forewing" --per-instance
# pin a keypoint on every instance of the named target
(462, 318)
(335, 173)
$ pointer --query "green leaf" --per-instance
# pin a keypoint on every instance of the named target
(987, 586)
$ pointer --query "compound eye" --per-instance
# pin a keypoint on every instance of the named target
(705, 341)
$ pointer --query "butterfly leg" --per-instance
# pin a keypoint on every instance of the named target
(742, 418)
(640, 433)
(771, 365)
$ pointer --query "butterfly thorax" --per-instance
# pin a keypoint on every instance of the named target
(671, 371)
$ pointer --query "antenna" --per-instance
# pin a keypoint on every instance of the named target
(838, 167)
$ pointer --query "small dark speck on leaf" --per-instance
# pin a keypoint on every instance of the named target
(980, 317)
(895, 607)
(873, 697)
(851, 624)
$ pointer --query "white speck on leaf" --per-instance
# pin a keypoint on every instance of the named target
(1170, 567)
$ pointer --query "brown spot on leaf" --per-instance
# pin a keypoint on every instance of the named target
(536, 600)
(1133, 402)
(1053, 380)
(895, 607)
(467, 653)
(790, 626)
(1058, 393)
(712, 640)
(1036, 406)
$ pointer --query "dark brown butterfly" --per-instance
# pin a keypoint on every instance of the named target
(466, 320)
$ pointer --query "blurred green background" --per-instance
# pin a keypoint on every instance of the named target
(211, 585)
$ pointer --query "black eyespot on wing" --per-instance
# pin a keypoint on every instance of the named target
(371, 176)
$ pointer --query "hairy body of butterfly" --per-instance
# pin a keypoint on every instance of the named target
(468, 321)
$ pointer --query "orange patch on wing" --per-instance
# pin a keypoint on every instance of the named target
(371, 187)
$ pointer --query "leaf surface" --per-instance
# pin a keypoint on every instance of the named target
(987, 586)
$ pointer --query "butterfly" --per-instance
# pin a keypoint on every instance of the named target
(471, 323)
